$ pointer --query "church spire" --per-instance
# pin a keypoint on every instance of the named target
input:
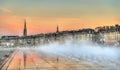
(57, 29)
(25, 29)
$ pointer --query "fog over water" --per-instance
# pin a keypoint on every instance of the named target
(84, 50)
(107, 56)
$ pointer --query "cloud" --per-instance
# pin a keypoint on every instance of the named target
(5, 10)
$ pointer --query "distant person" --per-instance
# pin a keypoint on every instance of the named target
(57, 59)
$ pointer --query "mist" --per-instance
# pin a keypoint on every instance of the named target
(84, 50)
(75, 51)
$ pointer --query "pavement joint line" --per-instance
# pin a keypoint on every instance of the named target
(48, 62)
(19, 62)
(9, 59)
(76, 61)
(35, 64)
(4, 62)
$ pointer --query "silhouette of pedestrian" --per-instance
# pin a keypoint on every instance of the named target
(57, 59)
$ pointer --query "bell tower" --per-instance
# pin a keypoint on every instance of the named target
(25, 29)
(57, 31)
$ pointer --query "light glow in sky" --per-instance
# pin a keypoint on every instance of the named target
(44, 15)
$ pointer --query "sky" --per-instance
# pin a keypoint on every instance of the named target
(43, 16)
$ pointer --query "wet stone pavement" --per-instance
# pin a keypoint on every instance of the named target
(31, 60)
